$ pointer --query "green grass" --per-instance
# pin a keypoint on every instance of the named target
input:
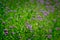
(27, 12)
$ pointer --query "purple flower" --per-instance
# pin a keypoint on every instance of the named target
(47, 6)
(50, 30)
(5, 31)
(57, 28)
(56, 1)
(39, 17)
(49, 36)
(45, 13)
(41, 1)
(29, 26)
(47, 3)
(52, 9)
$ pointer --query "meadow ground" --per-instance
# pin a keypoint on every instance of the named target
(29, 19)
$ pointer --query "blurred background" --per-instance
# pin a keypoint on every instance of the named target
(29, 19)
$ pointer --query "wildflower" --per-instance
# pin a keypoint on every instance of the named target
(47, 3)
(49, 36)
(5, 31)
(29, 26)
(41, 1)
(57, 28)
(39, 17)
(45, 13)
(52, 8)
(50, 30)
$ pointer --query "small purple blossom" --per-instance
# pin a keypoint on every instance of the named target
(39, 17)
(50, 30)
(41, 1)
(29, 26)
(57, 28)
(52, 9)
(47, 6)
(56, 1)
(45, 13)
(49, 36)
(47, 3)
(5, 31)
